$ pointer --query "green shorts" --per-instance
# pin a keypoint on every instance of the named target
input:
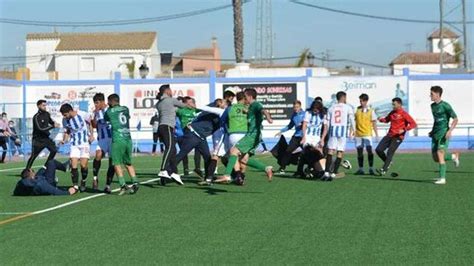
(121, 153)
(248, 144)
(439, 144)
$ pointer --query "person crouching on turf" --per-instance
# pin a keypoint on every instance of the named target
(43, 182)
(240, 154)
(314, 133)
(400, 123)
(296, 121)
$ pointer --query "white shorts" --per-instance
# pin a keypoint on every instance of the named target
(312, 140)
(363, 141)
(219, 146)
(104, 145)
(337, 143)
(81, 152)
(234, 138)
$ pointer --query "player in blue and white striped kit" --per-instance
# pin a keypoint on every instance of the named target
(77, 131)
(340, 119)
(104, 139)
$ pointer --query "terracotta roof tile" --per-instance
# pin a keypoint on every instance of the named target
(447, 33)
(199, 52)
(414, 58)
(98, 40)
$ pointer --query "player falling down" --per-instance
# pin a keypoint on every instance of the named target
(366, 123)
(77, 131)
(313, 137)
(104, 139)
(400, 123)
(340, 120)
(441, 132)
(240, 154)
(119, 118)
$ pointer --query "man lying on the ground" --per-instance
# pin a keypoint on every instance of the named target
(43, 182)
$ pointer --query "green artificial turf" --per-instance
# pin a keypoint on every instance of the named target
(354, 220)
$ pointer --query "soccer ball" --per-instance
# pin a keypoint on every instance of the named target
(346, 164)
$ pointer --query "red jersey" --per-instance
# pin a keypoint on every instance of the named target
(399, 120)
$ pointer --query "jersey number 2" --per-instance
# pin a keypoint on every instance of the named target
(337, 116)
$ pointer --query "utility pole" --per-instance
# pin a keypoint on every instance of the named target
(464, 32)
(441, 43)
(264, 32)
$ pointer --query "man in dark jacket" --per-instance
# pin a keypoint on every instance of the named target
(42, 124)
(43, 182)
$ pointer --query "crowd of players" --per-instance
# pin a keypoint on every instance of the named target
(235, 125)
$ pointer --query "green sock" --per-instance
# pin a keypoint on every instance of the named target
(442, 170)
(134, 179)
(448, 157)
(121, 181)
(256, 164)
(230, 165)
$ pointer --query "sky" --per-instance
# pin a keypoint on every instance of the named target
(295, 27)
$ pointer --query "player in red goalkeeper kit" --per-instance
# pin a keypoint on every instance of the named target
(400, 123)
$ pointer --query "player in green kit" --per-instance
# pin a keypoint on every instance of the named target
(118, 116)
(240, 154)
(441, 132)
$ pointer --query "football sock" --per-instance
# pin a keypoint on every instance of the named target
(110, 174)
(84, 173)
(74, 176)
(230, 165)
(256, 164)
(328, 163)
(211, 168)
(448, 157)
(337, 163)
(121, 181)
(442, 170)
(370, 155)
(134, 179)
(360, 156)
(96, 167)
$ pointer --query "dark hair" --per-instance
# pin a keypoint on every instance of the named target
(297, 102)
(437, 89)
(114, 98)
(240, 95)
(25, 173)
(65, 108)
(339, 95)
(216, 101)
(318, 105)
(98, 97)
(40, 102)
(180, 98)
(186, 99)
(251, 92)
(364, 97)
(162, 90)
(4, 113)
(398, 100)
(318, 99)
(228, 94)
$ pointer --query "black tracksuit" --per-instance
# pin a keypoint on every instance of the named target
(44, 182)
(42, 124)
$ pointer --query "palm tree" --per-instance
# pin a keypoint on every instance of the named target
(238, 31)
(302, 58)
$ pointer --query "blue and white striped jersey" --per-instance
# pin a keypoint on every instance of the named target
(77, 128)
(314, 123)
(340, 118)
(104, 129)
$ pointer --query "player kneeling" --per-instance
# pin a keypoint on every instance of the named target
(119, 116)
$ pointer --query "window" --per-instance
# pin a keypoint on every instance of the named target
(87, 64)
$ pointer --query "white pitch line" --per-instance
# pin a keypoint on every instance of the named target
(12, 213)
(19, 168)
(84, 199)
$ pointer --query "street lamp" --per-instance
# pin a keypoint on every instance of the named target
(310, 57)
(144, 70)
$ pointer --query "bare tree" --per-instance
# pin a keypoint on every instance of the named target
(238, 31)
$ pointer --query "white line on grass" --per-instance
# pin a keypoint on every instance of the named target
(28, 214)
(12, 213)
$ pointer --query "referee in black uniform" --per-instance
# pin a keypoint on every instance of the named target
(42, 124)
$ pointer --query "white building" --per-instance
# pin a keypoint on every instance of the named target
(90, 55)
(423, 63)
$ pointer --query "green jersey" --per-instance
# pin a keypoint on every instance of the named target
(442, 112)
(237, 119)
(119, 117)
(255, 118)
(186, 115)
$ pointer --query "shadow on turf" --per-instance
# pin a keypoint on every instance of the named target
(395, 179)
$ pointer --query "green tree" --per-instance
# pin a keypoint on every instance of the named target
(131, 69)
(302, 58)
